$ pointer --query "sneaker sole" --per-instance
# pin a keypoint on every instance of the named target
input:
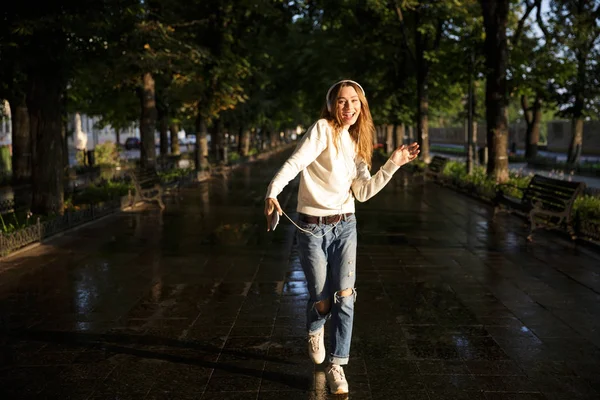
(317, 362)
(339, 391)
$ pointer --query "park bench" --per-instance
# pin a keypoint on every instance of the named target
(148, 186)
(547, 203)
(436, 166)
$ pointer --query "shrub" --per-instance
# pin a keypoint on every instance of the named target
(173, 174)
(233, 156)
(15, 220)
(104, 154)
(98, 193)
(587, 208)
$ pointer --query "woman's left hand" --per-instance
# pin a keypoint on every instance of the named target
(405, 154)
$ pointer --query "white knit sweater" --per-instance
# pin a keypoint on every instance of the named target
(331, 178)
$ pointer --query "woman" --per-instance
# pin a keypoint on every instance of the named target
(334, 158)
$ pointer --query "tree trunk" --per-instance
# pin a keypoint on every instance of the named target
(21, 141)
(240, 136)
(245, 143)
(44, 103)
(65, 135)
(533, 117)
(399, 129)
(147, 122)
(217, 141)
(174, 130)
(475, 146)
(576, 141)
(389, 139)
(65, 130)
(118, 138)
(201, 146)
(422, 93)
(471, 124)
(376, 137)
(273, 139)
(578, 107)
(423, 120)
(224, 142)
(164, 136)
(214, 142)
(471, 145)
(495, 17)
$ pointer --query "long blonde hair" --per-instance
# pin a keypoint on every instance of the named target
(362, 131)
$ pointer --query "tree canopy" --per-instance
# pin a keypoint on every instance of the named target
(259, 67)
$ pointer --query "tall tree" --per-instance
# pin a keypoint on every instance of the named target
(50, 42)
(532, 68)
(495, 19)
(428, 25)
(14, 93)
(575, 27)
(12, 88)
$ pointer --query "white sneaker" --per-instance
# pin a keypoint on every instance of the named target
(336, 379)
(316, 346)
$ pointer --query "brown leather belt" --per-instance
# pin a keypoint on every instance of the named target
(330, 219)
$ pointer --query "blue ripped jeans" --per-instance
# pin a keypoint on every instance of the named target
(329, 264)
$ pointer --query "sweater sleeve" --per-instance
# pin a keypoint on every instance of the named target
(310, 147)
(366, 186)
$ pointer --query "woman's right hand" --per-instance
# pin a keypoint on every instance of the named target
(271, 205)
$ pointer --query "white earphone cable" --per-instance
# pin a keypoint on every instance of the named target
(309, 232)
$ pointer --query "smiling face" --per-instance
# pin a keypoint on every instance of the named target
(348, 106)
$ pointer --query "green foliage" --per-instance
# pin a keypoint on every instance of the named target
(573, 31)
(588, 208)
(98, 193)
(455, 169)
(5, 160)
(419, 164)
(105, 154)
(174, 174)
(15, 220)
(233, 156)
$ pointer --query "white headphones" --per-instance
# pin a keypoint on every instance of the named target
(329, 105)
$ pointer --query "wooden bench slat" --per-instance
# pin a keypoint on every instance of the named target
(530, 194)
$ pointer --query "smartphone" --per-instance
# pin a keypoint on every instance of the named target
(274, 220)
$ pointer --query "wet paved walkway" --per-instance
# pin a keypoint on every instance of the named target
(199, 302)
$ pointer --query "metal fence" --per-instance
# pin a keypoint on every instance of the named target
(40, 230)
